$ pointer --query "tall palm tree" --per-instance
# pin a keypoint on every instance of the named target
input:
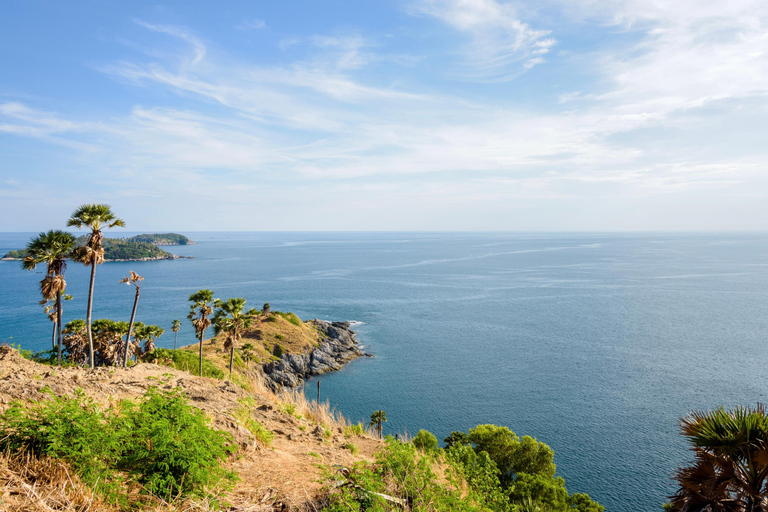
(730, 468)
(175, 326)
(96, 217)
(51, 248)
(377, 418)
(199, 313)
(133, 279)
(231, 319)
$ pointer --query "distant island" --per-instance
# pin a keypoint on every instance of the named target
(162, 239)
(136, 248)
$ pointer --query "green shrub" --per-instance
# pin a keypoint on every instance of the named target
(357, 429)
(292, 318)
(184, 360)
(73, 429)
(244, 415)
(277, 350)
(352, 447)
(162, 442)
(425, 441)
(170, 448)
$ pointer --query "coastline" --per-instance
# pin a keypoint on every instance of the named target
(339, 347)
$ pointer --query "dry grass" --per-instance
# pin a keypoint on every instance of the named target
(32, 484)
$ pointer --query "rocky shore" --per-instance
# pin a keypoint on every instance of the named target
(338, 347)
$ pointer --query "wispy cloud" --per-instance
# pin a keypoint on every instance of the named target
(500, 46)
(225, 129)
(182, 33)
(252, 24)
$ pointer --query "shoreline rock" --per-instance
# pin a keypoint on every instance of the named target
(337, 349)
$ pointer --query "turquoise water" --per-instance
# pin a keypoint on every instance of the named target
(594, 344)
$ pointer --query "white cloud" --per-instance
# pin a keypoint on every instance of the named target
(252, 24)
(198, 47)
(501, 45)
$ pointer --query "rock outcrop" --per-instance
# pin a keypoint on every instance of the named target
(337, 348)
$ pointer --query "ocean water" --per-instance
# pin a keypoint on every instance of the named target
(593, 343)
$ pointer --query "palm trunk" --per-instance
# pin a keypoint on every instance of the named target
(59, 323)
(231, 357)
(91, 361)
(175, 337)
(202, 333)
(53, 336)
(130, 328)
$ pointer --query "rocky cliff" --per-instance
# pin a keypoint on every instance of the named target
(337, 347)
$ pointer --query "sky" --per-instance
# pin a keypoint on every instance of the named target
(424, 115)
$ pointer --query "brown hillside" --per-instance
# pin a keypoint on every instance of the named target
(283, 476)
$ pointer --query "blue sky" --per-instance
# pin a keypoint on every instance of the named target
(386, 115)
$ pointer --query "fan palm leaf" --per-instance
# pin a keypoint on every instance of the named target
(730, 467)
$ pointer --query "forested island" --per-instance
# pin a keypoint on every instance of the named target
(162, 239)
(137, 248)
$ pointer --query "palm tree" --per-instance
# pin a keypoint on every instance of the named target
(231, 319)
(199, 312)
(247, 352)
(96, 217)
(51, 248)
(175, 326)
(148, 334)
(133, 279)
(377, 418)
(730, 468)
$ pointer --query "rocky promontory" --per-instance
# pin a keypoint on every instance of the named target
(337, 347)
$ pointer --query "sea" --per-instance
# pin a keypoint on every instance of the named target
(593, 343)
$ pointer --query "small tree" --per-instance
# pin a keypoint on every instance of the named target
(265, 310)
(425, 441)
(199, 313)
(377, 418)
(247, 353)
(175, 326)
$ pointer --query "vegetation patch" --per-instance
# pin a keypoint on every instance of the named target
(184, 360)
(163, 445)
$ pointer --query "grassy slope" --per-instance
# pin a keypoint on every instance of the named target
(283, 329)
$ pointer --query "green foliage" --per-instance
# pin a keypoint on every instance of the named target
(162, 442)
(292, 318)
(277, 350)
(358, 429)
(456, 439)
(244, 415)
(127, 249)
(73, 429)
(511, 454)
(481, 474)
(400, 471)
(17, 255)
(169, 447)
(352, 447)
(425, 441)
(184, 360)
